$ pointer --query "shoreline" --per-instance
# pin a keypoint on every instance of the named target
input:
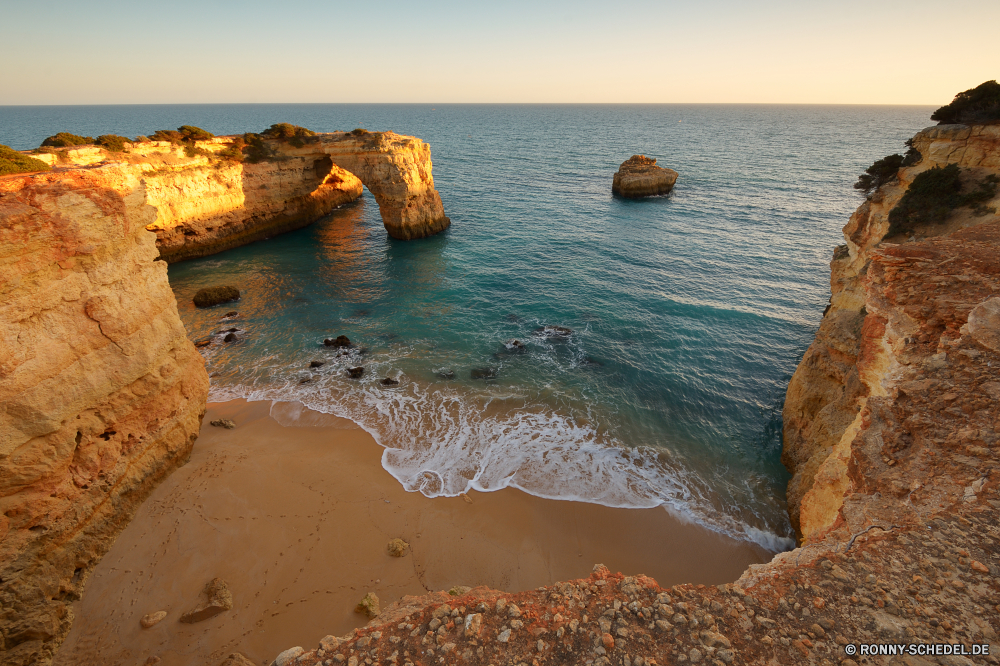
(316, 491)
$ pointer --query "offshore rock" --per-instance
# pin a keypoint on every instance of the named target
(206, 204)
(101, 392)
(638, 176)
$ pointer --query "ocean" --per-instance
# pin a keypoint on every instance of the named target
(689, 312)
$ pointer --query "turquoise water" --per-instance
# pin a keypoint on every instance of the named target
(689, 312)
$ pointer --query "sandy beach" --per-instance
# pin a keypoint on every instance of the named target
(294, 511)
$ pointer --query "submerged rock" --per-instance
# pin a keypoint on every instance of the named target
(316, 364)
(356, 373)
(228, 424)
(388, 381)
(398, 547)
(638, 176)
(206, 298)
(484, 373)
(219, 599)
(445, 373)
(339, 341)
(514, 345)
(369, 606)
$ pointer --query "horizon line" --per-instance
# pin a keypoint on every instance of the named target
(482, 104)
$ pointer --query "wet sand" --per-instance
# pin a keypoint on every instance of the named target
(296, 518)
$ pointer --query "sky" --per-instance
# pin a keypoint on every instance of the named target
(696, 51)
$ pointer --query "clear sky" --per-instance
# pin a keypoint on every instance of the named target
(190, 51)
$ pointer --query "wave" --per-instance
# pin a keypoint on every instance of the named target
(443, 440)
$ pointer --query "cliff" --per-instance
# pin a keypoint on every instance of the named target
(101, 393)
(891, 426)
(207, 203)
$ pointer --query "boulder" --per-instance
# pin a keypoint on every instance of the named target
(445, 373)
(206, 298)
(339, 341)
(288, 657)
(356, 373)
(316, 364)
(398, 547)
(230, 337)
(553, 332)
(369, 606)
(514, 345)
(237, 659)
(218, 599)
(638, 176)
(148, 621)
(228, 424)
(389, 381)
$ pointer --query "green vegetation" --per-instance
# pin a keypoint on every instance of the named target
(181, 135)
(933, 196)
(255, 150)
(879, 173)
(65, 139)
(293, 134)
(976, 105)
(112, 142)
(12, 161)
(359, 132)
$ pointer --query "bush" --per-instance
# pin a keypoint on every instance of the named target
(976, 105)
(359, 132)
(141, 139)
(879, 173)
(933, 196)
(192, 133)
(112, 142)
(293, 134)
(12, 161)
(255, 150)
(65, 139)
(171, 136)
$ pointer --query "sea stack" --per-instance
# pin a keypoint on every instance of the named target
(638, 176)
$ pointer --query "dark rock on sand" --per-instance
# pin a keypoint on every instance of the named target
(339, 341)
(484, 373)
(356, 373)
(219, 599)
(389, 381)
(316, 364)
(206, 298)
(228, 424)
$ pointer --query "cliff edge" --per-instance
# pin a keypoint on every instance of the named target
(101, 392)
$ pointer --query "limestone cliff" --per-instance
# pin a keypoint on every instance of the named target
(891, 431)
(101, 392)
(854, 357)
(207, 203)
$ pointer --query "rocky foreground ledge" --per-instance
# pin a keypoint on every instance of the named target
(891, 429)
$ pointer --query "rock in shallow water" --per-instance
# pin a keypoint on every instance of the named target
(389, 381)
(206, 298)
(484, 373)
(316, 364)
(339, 341)
(638, 176)
(356, 373)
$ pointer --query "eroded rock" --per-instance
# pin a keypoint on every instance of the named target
(639, 176)
(369, 605)
(398, 548)
(218, 599)
(209, 296)
(151, 619)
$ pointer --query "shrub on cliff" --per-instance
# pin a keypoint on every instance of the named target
(183, 134)
(65, 139)
(879, 173)
(293, 134)
(12, 161)
(255, 150)
(933, 196)
(976, 105)
(112, 142)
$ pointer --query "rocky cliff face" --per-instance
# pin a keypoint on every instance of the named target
(206, 203)
(101, 393)
(855, 357)
(639, 176)
(891, 429)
